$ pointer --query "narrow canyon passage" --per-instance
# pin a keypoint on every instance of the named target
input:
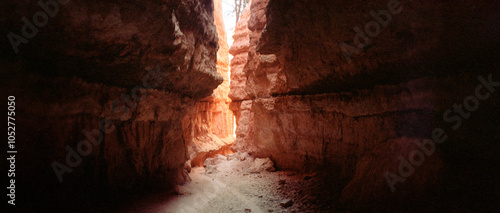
(315, 106)
(223, 181)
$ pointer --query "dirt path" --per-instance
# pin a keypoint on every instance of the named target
(226, 186)
(211, 194)
(237, 185)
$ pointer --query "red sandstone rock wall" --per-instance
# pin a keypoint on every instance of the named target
(313, 109)
(211, 130)
(90, 54)
(253, 74)
(239, 51)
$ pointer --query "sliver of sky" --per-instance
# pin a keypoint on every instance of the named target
(229, 19)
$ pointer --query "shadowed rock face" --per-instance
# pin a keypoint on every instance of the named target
(113, 42)
(87, 64)
(305, 106)
(411, 45)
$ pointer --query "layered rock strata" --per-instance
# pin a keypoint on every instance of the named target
(308, 101)
(211, 132)
(142, 65)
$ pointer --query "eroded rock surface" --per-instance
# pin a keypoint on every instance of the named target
(311, 107)
(90, 61)
(211, 131)
(238, 162)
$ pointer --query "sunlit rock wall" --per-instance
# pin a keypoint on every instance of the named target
(211, 130)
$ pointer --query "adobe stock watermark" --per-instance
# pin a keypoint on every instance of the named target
(94, 138)
(372, 29)
(454, 117)
(31, 27)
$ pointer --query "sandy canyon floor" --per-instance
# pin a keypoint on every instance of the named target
(240, 183)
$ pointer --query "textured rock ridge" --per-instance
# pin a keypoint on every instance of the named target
(239, 51)
(91, 59)
(304, 105)
(253, 74)
(176, 37)
(212, 130)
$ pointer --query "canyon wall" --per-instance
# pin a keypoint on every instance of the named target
(345, 88)
(108, 94)
(211, 133)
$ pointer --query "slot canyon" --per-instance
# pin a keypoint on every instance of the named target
(316, 106)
